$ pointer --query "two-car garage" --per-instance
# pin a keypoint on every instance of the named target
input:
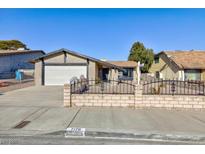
(61, 74)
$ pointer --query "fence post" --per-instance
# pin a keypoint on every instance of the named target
(67, 95)
(138, 99)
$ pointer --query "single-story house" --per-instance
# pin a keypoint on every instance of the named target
(181, 65)
(12, 60)
(59, 67)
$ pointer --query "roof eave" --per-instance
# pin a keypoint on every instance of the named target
(76, 54)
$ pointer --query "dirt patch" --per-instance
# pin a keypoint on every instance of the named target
(10, 85)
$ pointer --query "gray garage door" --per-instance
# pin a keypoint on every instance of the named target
(59, 75)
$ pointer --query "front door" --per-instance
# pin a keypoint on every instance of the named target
(105, 72)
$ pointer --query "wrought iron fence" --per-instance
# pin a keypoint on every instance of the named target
(173, 87)
(102, 87)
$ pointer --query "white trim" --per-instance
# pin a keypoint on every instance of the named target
(181, 75)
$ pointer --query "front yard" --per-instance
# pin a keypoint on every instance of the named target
(12, 84)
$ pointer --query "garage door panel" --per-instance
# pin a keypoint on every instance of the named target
(59, 75)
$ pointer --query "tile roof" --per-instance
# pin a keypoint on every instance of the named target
(12, 52)
(188, 59)
(124, 63)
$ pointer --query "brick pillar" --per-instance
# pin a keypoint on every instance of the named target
(67, 96)
(138, 95)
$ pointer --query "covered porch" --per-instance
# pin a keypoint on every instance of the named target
(121, 72)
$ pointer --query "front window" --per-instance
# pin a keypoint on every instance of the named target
(192, 74)
(126, 73)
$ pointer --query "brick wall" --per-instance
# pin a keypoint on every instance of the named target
(103, 100)
(197, 102)
(67, 96)
(136, 100)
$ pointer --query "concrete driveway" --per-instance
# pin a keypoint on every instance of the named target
(35, 96)
(42, 106)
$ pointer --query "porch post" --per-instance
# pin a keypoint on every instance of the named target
(134, 75)
(138, 73)
(183, 78)
(181, 75)
(113, 74)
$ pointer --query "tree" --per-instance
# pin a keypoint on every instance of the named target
(11, 45)
(138, 52)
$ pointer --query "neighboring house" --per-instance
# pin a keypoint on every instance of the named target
(59, 67)
(181, 65)
(12, 60)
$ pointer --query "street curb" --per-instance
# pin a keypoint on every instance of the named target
(109, 134)
(148, 136)
(138, 136)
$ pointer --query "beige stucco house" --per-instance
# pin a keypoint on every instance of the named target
(59, 67)
(181, 65)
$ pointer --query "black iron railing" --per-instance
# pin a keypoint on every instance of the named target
(102, 87)
(173, 87)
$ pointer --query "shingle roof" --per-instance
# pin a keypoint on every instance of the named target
(13, 52)
(76, 54)
(188, 59)
(124, 63)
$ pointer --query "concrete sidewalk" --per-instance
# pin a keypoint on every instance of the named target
(127, 119)
(105, 122)
(142, 124)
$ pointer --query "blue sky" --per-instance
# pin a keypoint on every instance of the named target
(105, 33)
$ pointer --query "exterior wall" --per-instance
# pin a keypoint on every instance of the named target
(10, 63)
(167, 69)
(203, 75)
(74, 59)
(98, 73)
(168, 73)
(38, 73)
(55, 59)
(157, 67)
(136, 100)
(69, 59)
(92, 70)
